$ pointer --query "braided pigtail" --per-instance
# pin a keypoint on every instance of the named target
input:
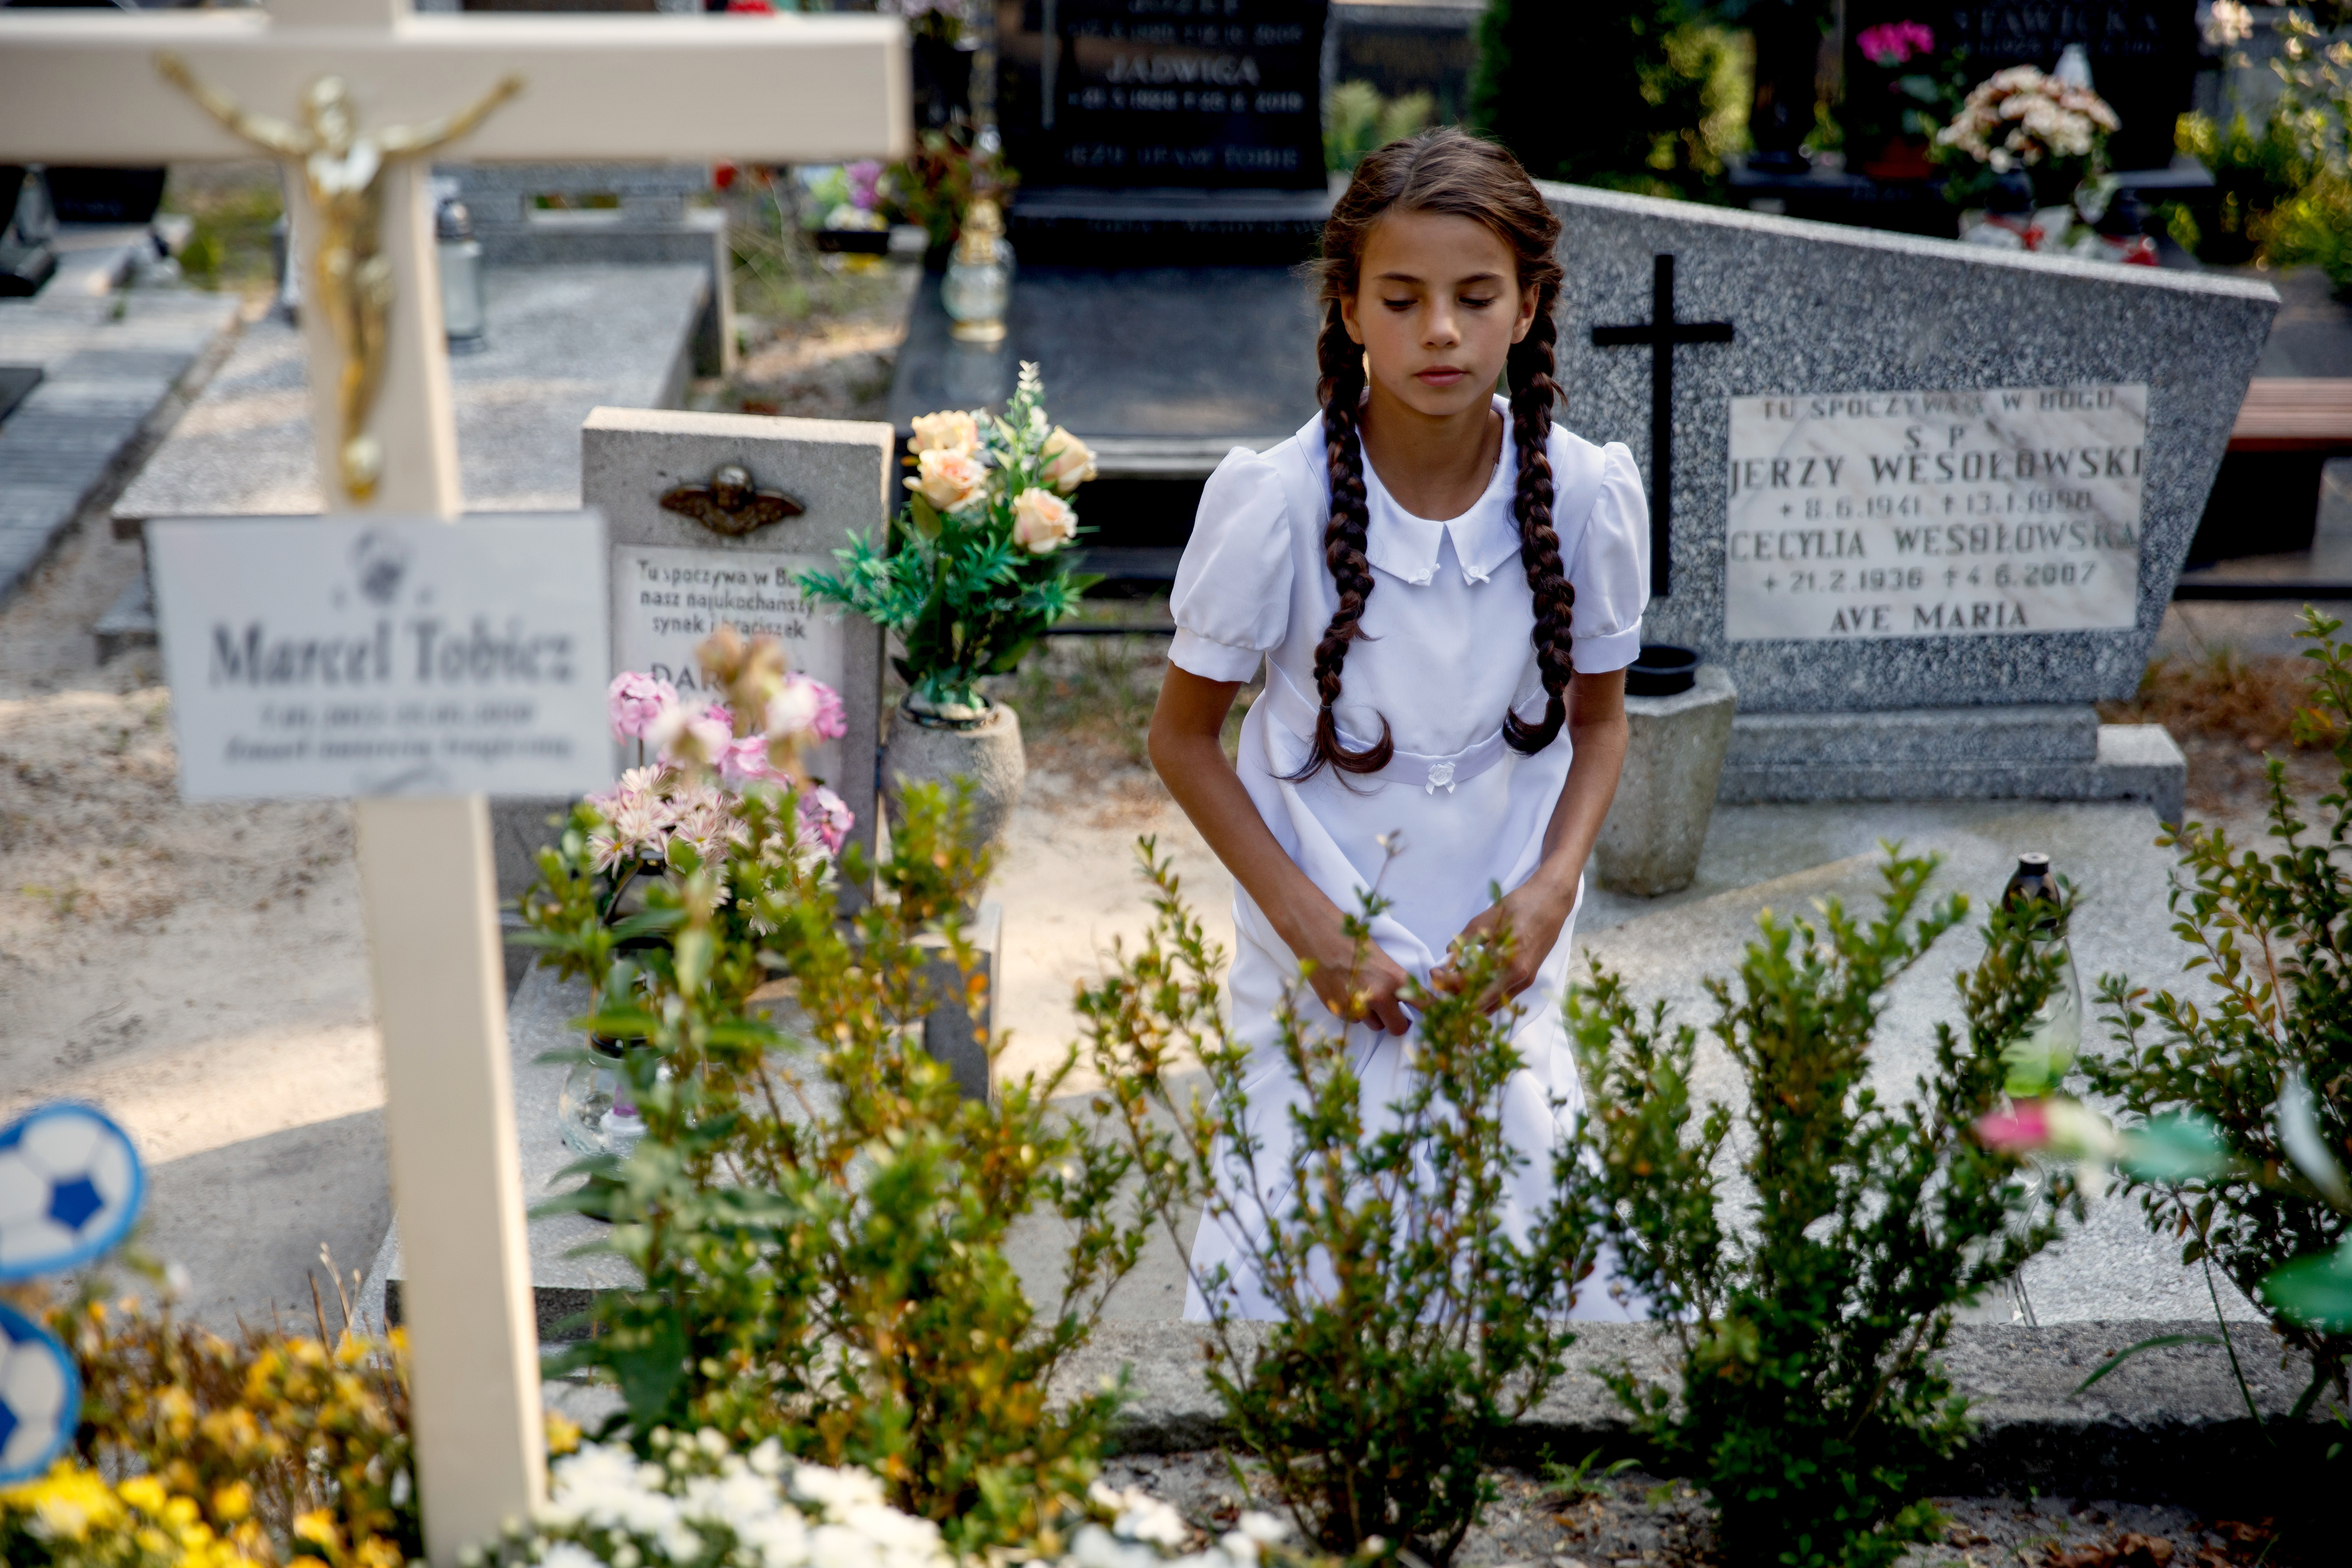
(1532, 391)
(1340, 386)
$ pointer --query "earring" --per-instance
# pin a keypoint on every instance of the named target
(1368, 365)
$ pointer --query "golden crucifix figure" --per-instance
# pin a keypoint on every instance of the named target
(351, 278)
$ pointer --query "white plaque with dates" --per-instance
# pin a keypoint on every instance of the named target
(1935, 514)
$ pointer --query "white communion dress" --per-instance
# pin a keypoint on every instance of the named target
(1447, 649)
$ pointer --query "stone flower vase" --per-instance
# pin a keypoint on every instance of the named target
(929, 748)
(1679, 714)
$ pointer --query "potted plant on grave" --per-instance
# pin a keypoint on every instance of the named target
(714, 782)
(1897, 97)
(2050, 130)
(975, 568)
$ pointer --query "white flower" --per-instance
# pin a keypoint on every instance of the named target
(835, 1546)
(768, 1459)
(2227, 22)
(835, 1489)
(1263, 1527)
(567, 1554)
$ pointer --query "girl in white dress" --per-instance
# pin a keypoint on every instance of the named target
(1444, 590)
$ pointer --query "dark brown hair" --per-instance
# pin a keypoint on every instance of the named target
(1451, 171)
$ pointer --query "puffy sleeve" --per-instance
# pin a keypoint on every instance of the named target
(1610, 571)
(1232, 601)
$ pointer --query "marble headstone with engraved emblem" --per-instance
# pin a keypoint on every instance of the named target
(676, 576)
(1926, 502)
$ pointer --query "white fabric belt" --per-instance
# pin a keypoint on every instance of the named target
(1294, 713)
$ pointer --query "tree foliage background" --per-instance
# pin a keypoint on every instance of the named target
(1657, 93)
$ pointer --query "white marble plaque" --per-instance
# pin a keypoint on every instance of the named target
(383, 657)
(666, 599)
(1935, 514)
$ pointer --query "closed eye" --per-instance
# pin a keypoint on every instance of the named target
(1477, 301)
(1398, 304)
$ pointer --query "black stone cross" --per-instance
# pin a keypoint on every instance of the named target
(1662, 332)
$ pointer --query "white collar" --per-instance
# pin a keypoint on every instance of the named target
(1484, 536)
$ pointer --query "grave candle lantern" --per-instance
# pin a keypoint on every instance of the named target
(979, 284)
(463, 317)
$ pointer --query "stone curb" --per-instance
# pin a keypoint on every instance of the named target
(2168, 1425)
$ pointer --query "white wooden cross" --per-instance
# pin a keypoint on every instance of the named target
(82, 88)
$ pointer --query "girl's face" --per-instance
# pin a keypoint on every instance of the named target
(1437, 307)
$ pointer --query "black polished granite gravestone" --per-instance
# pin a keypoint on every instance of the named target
(1162, 370)
(2143, 56)
(1171, 162)
(1177, 132)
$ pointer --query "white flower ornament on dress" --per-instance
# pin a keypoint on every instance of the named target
(1439, 774)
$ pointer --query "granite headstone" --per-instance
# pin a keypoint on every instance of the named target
(1928, 500)
(1163, 130)
(675, 578)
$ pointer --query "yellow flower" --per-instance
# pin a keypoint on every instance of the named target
(144, 1493)
(1066, 462)
(1043, 521)
(948, 431)
(949, 479)
(563, 1434)
(317, 1527)
(231, 1502)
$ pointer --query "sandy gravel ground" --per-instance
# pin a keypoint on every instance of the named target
(1637, 1521)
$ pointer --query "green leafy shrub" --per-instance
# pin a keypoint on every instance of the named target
(2269, 934)
(1413, 1331)
(817, 1215)
(1810, 1400)
(2254, 173)
(1358, 121)
(1660, 95)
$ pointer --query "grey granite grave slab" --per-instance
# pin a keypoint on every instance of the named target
(2170, 1424)
(839, 471)
(654, 223)
(107, 362)
(561, 341)
(566, 1271)
(1819, 309)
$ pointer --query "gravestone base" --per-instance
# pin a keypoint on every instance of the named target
(2057, 751)
(1674, 766)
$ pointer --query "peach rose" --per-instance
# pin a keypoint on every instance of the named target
(1043, 521)
(949, 479)
(1067, 462)
(950, 431)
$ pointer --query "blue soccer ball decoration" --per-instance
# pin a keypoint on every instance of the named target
(70, 1185)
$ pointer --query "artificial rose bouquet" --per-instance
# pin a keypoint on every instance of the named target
(977, 565)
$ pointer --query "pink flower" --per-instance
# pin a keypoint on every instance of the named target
(683, 734)
(634, 700)
(745, 761)
(1895, 43)
(806, 705)
(2022, 1128)
(825, 819)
